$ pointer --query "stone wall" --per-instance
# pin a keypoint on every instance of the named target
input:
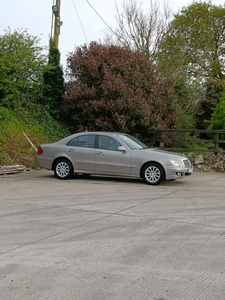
(208, 162)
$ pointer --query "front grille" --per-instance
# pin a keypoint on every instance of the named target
(187, 163)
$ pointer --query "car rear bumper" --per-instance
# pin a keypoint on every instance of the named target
(44, 162)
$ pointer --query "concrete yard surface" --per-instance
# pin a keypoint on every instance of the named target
(97, 238)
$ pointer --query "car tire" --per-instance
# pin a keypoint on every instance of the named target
(153, 174)
(63, 169)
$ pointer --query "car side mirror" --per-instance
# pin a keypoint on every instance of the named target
(122, 149)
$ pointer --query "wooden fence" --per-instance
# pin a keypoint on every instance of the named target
(211, 139)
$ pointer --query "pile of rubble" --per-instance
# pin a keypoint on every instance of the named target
(208, 162)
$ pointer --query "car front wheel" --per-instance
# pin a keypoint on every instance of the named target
(153, 174)
(63, 169)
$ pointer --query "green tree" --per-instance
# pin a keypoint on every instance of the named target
(212, 92)
(21, 68)
(185, 109)
(193, 51)
(53, 87)
(195, 43)
(218, 117)
(112, 88)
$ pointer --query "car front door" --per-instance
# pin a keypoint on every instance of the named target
(82, 152)
(111, 160)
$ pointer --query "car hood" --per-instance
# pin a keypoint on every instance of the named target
(164, 153)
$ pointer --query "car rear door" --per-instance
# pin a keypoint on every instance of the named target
(82, 152)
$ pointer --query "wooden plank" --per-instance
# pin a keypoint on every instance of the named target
(15, 169)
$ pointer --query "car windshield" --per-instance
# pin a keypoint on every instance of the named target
(131, 142)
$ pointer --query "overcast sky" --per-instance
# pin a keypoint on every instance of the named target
(36, 17)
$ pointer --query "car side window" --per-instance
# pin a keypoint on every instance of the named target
(108, 143)
(87, 141)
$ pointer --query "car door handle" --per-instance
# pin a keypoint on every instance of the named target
(99, 153)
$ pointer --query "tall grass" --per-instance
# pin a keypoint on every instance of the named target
(36, 123)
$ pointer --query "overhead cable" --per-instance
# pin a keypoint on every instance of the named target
(80, 21)
(100, 17)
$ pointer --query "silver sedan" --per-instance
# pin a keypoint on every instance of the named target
(114, 154)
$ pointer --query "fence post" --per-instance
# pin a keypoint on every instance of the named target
(216, 143)
(160, 144)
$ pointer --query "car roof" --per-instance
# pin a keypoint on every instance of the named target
(101, 132)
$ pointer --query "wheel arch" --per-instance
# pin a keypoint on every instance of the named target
(152, 162)
(59, 158)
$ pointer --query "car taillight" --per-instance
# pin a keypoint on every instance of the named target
(40, 150)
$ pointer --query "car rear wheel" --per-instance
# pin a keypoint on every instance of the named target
(153, 174)
(63, 169)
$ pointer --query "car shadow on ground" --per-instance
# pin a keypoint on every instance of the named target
(102, 178)
(106, 178)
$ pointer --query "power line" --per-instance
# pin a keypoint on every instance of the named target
(80, 21)
(100, 17)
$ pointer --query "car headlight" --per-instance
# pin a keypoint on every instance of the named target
(175, 162)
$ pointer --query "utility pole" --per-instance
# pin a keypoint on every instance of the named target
(57, 22)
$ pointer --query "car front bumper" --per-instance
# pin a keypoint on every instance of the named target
(177, 173)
